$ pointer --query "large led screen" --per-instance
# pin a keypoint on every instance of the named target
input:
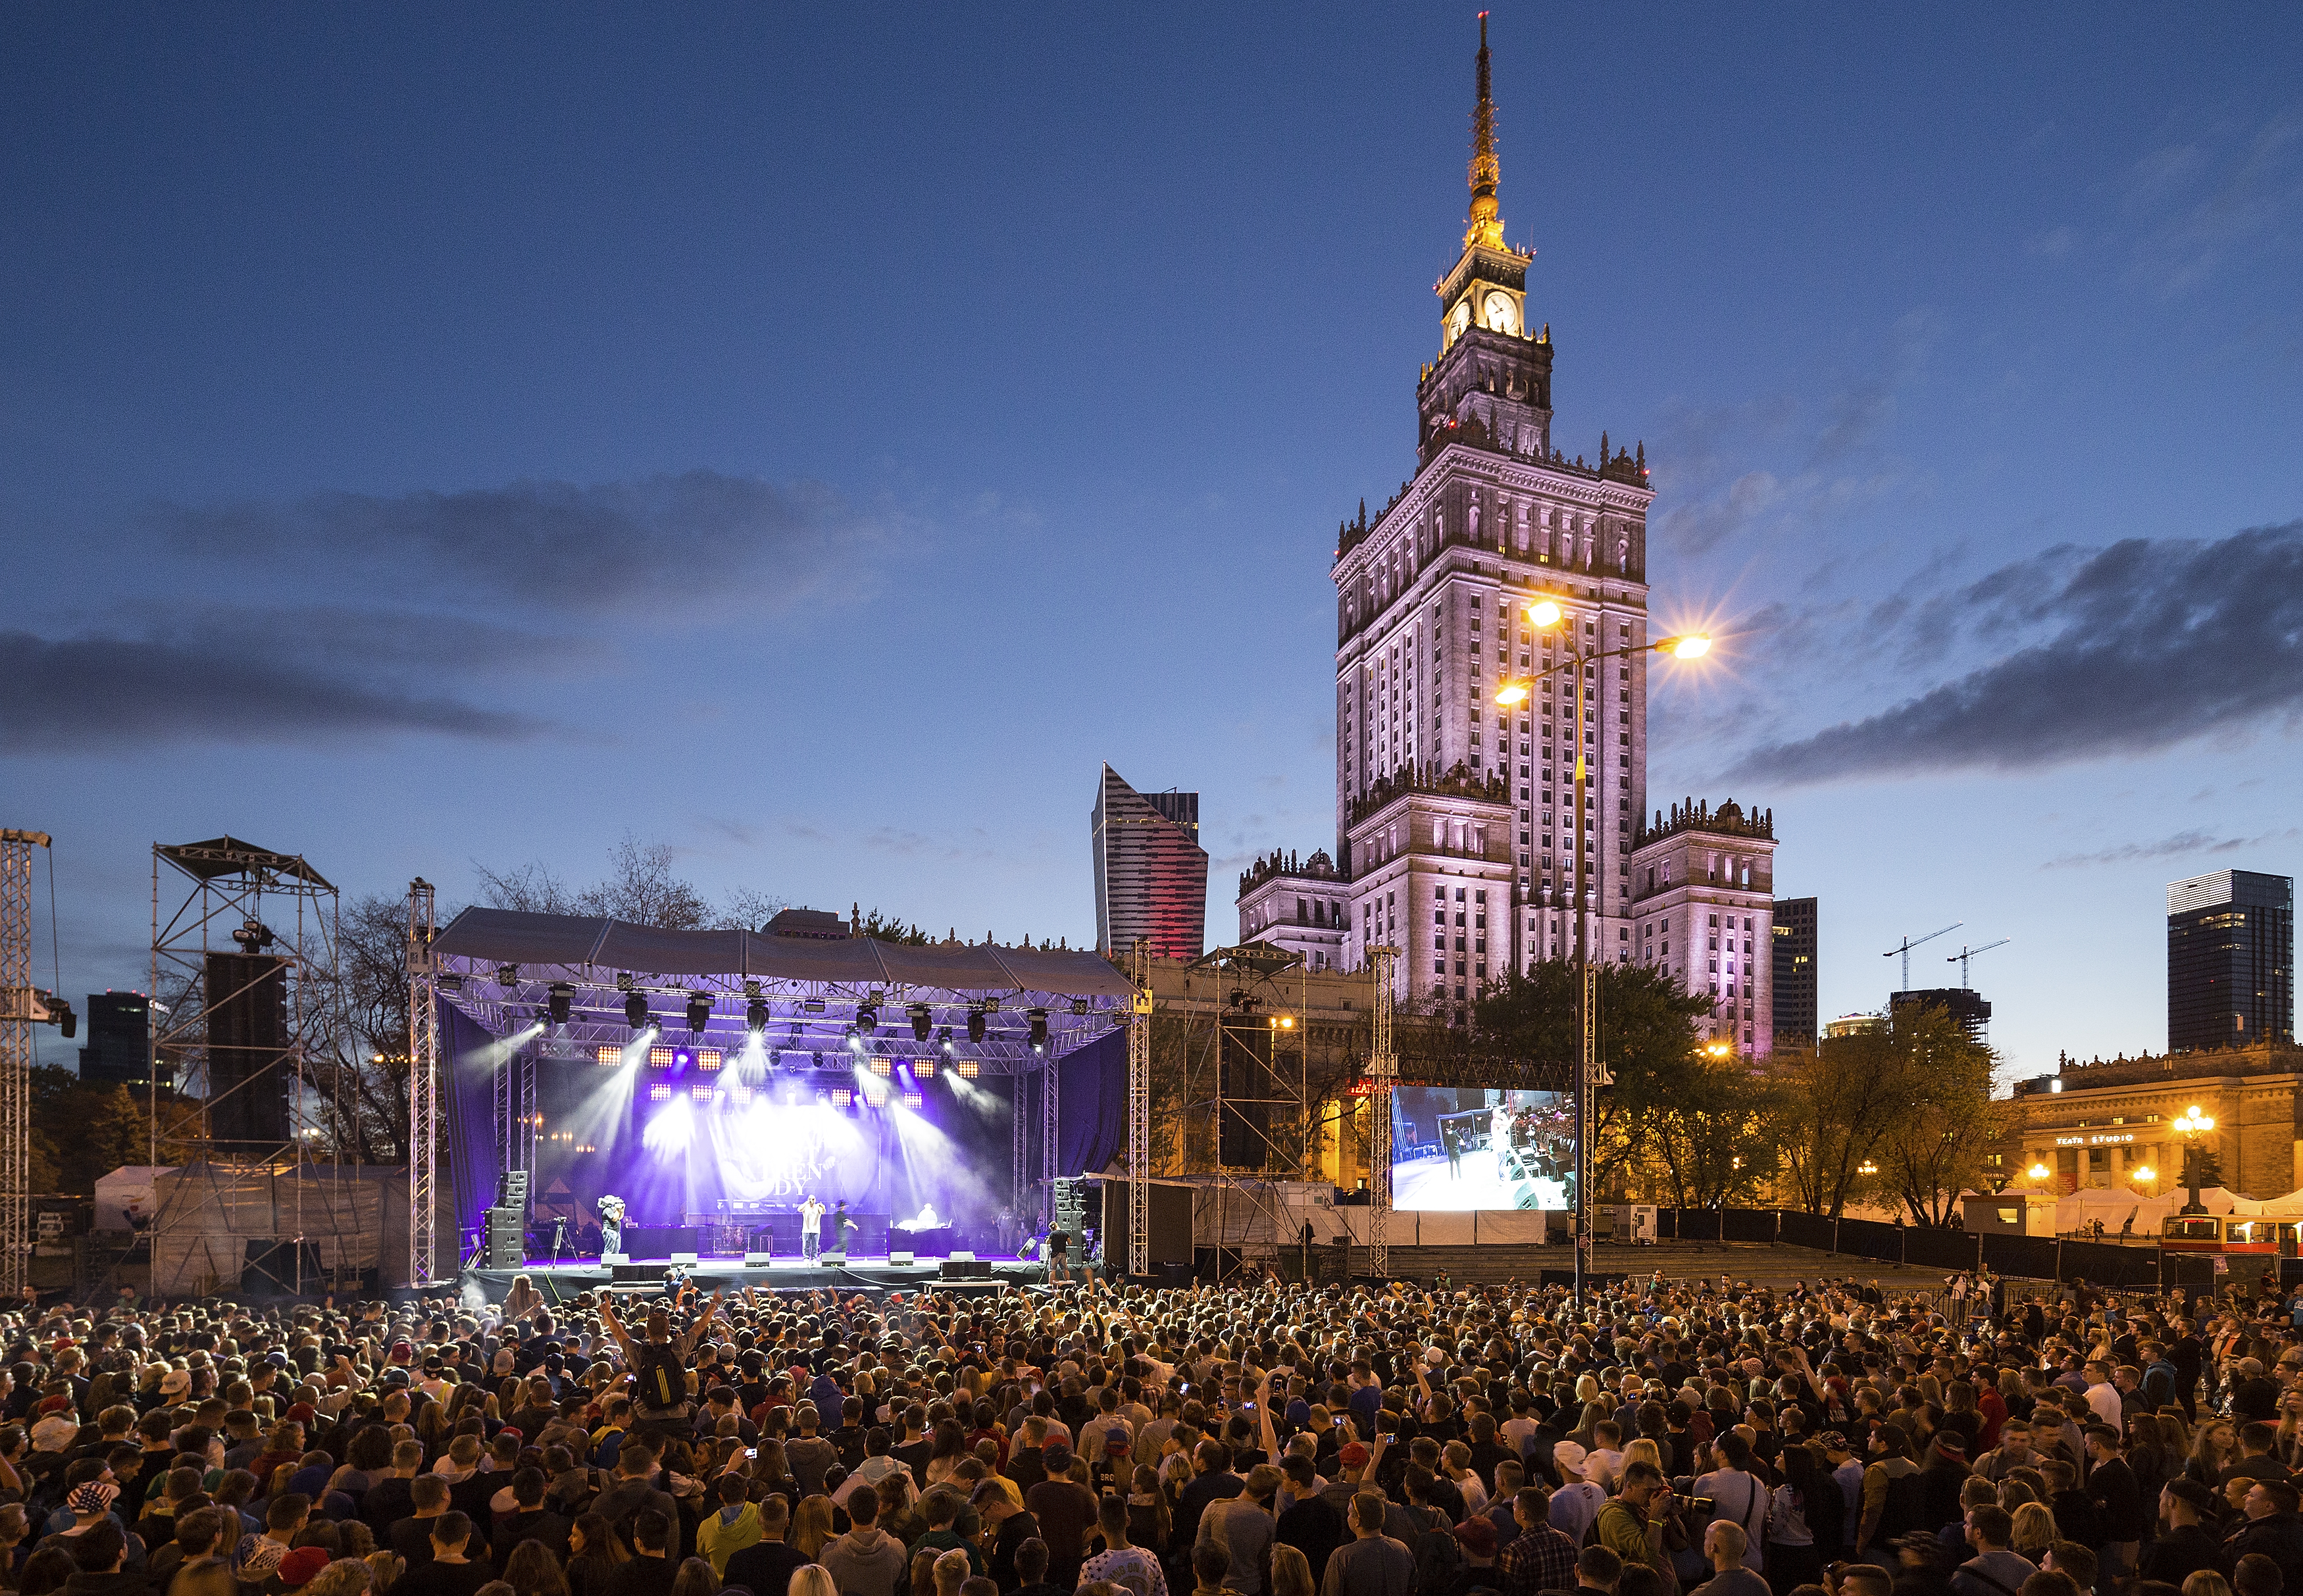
(1466, 1147)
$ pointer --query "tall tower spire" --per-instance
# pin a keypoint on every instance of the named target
(1487, 227)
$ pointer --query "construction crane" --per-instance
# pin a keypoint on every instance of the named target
(1909, 943)
(1965, 954)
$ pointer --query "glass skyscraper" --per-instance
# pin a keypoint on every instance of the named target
(2231, 960)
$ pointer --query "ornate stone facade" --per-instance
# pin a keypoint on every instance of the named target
(1301, 904)
(1453, 819)
(1703, 911)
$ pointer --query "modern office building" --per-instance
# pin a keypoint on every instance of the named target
(1702, 911)
(1964, 1004)
(119, 1047)
(1794, 973)
(1150, 872)
(2231, 960)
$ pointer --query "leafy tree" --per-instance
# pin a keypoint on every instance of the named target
(1947, 1123)
(1831, 1107)
(1712, 1136)
(640, 887)
(1645, 1037)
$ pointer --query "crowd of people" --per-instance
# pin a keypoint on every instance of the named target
(1251, 1439)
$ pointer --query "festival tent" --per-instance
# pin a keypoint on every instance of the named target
(2115, 1206)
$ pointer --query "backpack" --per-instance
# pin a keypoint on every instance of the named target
(659, 1376)
(1438, 1559)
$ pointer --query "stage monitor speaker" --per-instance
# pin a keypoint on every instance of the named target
(964, 1269)
(757, 1260)
(506, 1246)
(963, 1256)
(247, 1018)
(838, 1260)
(512, 1188)
(900, 1258)
(615, 1258)
(623, 1272)
(683, 1257)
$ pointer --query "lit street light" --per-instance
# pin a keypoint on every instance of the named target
(2190, 1125)
(1544, 615)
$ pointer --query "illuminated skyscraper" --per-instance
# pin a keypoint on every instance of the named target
(1150, 872)
(2231, 960)
(1452, 816)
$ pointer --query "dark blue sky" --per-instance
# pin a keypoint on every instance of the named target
(816, 437)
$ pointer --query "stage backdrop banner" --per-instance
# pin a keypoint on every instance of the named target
(1092, 1106)
(474, 1160)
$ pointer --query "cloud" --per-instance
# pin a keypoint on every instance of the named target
(697, 543)
(101, 695)
(2124, 651)
(2216, 201)
(2170, 847)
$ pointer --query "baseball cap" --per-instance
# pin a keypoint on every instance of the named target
(176, 1382)
(1478, 1536)
(1355, 1455)
(1568, 1456)
(95, 1497)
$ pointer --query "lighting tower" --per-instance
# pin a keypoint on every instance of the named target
(1383, 1069)
(21, 1007)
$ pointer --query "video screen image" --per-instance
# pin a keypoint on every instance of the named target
(1464, 1147)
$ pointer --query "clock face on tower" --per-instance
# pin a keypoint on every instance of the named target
(1500, 313)
(1461, 318)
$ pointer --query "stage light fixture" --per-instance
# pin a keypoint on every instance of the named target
(507, 976)
(867, 1019)
(607, 1058)
(755, 1016)
(880, 1066)
(562, 1001)
(811, 1005)
(1079, 1005)
(1039, 1018)
(976, 1025)
(635, 1013)
(854, 1042)
(923, 1069)
(965, 1069)
(943, 1037)
(911, 1099)
(922, 1022)
(699, 1010)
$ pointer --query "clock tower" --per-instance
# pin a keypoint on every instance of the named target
(1454, 815)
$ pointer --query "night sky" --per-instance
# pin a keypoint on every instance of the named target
(816, 437)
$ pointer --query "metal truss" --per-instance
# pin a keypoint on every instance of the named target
(19, 1006)
(1251, 999)
(233, 894)
(1139, 1114)
(424, 1117)
(1383, 1071)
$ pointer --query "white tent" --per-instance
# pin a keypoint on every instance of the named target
(2115, 1206)
(2290, 1207)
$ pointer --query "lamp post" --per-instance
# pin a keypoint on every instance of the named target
(2190, 1125)
(1544, 615)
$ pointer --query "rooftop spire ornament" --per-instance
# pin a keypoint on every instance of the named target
(1486, 229)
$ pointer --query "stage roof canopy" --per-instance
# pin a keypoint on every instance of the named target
(580, 942)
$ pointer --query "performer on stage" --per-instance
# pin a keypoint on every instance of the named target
(843, 1226)
(612, 1225)
(811, 1228)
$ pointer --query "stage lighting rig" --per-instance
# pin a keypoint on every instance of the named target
(699, 1011)
(811, 1005)
(755, 1016)
(562, 1001)
(922, 1021)
(943, 1037)
(867, 1018)
(635, 1010)
(507, 976)
(1039, 1018)
(975, 1024)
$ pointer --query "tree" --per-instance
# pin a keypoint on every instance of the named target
(1945, 1123)
(640, 888)
(1645, 1036)
(887, 928)
(1831, 1107)
(1712, 1135)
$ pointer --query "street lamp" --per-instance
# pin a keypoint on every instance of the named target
(1544, 615)
(2039, 1172)
(2190, 1125)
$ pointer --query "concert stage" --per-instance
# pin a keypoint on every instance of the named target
(558, 1282)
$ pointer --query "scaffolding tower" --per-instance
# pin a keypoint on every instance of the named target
(249, 1016)
(1248, 1119)
(424, 1117)
(23, 1006)
(1139, 1112)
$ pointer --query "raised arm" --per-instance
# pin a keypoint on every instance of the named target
(616, 1329)
(696, 1331)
